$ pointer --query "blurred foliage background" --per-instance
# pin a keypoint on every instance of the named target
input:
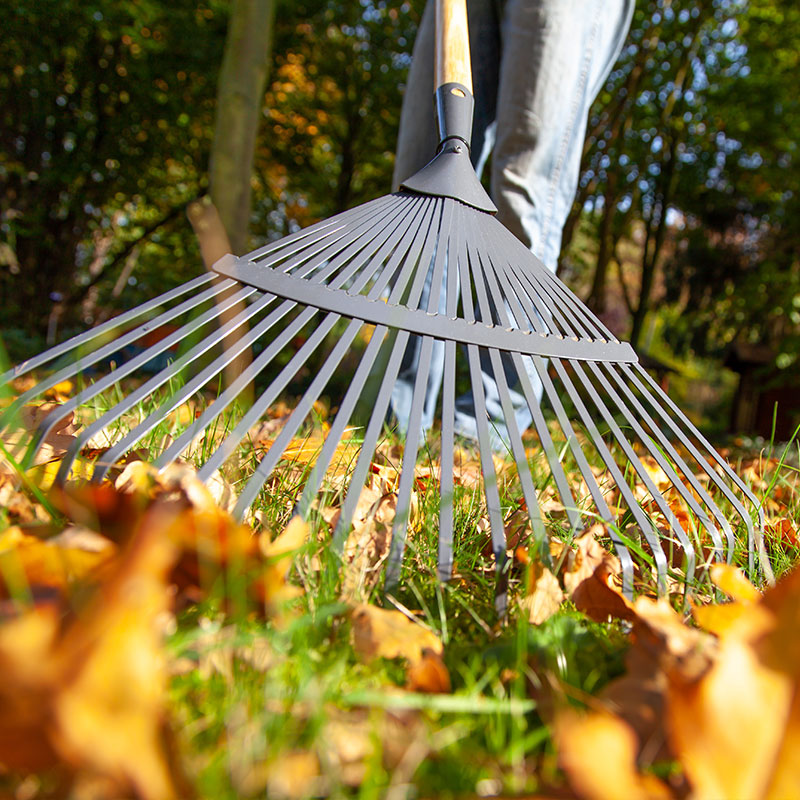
(683, 236)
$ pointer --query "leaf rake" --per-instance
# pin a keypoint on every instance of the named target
(492, 306)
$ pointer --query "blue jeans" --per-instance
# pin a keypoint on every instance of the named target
(537, 67)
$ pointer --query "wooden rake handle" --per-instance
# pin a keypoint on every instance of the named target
(452, 44)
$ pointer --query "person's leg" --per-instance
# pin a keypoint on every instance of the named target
(556, 57)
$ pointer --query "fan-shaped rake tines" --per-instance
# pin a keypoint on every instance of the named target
(441, 277)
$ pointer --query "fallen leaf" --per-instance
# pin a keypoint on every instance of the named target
(733, 582)
(58, 562)
(544, 596)
(386, 633)
(90, 696)
(428, 675)
(368, 543)
(54, 445)
(726, 727)
(784, 530)
(598, 753)
(590, 579)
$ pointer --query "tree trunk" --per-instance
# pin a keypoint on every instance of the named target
(239, 99)
(597, 297)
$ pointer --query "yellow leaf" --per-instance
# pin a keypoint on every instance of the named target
(91, 695)
(57, 562)
(733, 582)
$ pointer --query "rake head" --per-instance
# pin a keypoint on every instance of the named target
(611, 444)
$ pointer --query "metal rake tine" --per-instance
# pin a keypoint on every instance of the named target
(162, 377)
(638, 514)
(515, 437)
(350, 400)
(238, 385)
(389, 242)
(492, 276)
(382, 243)
(490, 481)
(106, 327)
(323, 262)
(374, 427)
(553, 288)
(413, 435)
(107, 381)
(159, 415)
(299, 413)
(337, 429)
(314, 233)
(667, 446)
(228, 446)
(373, 258)
(520, 300)
(545, 308)
(406, 253)
(626, 561)
(381, 406)
(112, 347)
(755, 538)
(446, 465)
(675, 526)
(567, 299)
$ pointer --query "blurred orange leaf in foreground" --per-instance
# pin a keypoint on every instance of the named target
(85, 696)
(731, 716)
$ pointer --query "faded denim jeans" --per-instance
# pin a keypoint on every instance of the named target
(537, 67)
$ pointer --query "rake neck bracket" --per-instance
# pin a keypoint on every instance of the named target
(451, 173)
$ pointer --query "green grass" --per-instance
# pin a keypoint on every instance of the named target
(249, 694)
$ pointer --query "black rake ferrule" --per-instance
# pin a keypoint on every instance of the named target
(454, 109)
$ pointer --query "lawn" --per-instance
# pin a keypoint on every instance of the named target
(153, 647)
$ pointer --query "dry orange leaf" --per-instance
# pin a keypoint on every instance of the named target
(428, 675)
(544, 596)
(589, 580)
(386, 633)
(28, 561)
(598, 753)
(55, 444)
(726, 728)
(91, 696)
(733, 582)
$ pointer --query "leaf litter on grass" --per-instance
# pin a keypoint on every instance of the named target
(140, 618)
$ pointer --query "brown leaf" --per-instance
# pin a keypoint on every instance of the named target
(733, 582)
(544, 596)
(386, 633)
(598, 753)
(589, 579)
(57, 563)
(55, 444)
(91, 696)
(726, 727)
(428, 675)
(368, 543)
